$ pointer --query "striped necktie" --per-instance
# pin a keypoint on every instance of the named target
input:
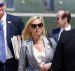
(2, 44)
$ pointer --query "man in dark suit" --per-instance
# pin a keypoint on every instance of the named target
(64, 57)
(11, 26)
(63, 21)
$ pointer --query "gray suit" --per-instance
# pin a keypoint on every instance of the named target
(27, 59)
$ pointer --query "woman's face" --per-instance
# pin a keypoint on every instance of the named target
(36, 28)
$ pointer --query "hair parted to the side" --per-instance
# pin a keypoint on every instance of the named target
(67, 15)
(26, 33)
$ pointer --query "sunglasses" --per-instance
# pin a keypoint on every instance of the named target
(1, 4)
(35, 26)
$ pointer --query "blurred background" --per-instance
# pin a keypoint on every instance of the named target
(46, 8)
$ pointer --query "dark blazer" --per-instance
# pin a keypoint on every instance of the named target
(64, 57)
(54, 33)
(14, 26)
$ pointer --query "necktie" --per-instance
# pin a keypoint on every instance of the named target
(2, 44)
(60, 33)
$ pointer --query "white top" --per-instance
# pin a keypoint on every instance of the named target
(66, 29)
(39, 56)
(8, 52)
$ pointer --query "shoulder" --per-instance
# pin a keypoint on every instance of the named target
(15, 20)
(24, 45)
(45, 39)
(50, 41)
(54, 31)
(26, 42)
(13, 17)
(67, 35)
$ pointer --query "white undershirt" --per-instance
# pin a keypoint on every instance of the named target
(39, 56)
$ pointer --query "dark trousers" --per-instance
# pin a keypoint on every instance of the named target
(9, 65)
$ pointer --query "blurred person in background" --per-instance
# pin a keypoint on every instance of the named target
(9, 26)
(36, 52)
(49, 4)
(63, 19)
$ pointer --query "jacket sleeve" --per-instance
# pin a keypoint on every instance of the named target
(23, 59)
(58, 56)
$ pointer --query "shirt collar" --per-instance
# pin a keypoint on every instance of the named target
(67, 28)
(4, 17)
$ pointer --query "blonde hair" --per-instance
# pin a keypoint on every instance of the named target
(26, 33)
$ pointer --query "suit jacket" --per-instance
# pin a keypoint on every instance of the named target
(54, 33)
(27, 59)
(64, 57)
(14, 27)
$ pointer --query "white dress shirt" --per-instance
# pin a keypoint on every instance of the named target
(8, 52)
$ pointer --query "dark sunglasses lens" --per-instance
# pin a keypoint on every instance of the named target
(1, 4)
(40, 25)
(33, 26)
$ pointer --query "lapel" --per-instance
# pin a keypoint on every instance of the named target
(8, 25)
(9, 33)
(56, 37)
(47, 48)
(33, 61)
(56, 34)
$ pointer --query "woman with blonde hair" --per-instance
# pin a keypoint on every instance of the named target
(36, 52)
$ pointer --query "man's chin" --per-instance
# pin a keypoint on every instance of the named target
(1, 13)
